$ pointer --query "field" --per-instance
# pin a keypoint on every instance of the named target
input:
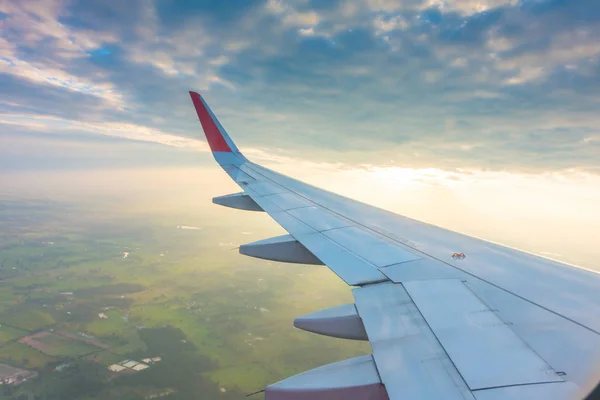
(8, 333)
(81, 290)
(56, 345)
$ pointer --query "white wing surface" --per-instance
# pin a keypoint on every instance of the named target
(447, 315)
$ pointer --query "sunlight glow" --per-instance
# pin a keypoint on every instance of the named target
(551, 214)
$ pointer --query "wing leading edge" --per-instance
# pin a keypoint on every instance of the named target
(496, 324)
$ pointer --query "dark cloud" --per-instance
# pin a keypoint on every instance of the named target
(172, 13)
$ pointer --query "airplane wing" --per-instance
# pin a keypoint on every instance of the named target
(447, 315)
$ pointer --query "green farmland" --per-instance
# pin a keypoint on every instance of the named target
(94, 290)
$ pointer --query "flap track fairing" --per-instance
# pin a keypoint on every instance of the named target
(240, 201)
(280, 248)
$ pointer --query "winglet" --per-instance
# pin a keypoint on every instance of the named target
(217, 137)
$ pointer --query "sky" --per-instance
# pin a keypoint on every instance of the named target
(455, 112)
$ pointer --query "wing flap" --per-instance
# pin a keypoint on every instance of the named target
(484, 349)
(411, 362)
(354, 270)
(557, 390)
(421, 269)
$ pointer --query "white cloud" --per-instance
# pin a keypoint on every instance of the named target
(159, 59)
(384, 25)
(190, 50)
(384, 5)
(569, 49)
(459, 62)
(275, 6)
(592, 139)
(464, 7)
(35, 21)
(180, 52)
(35, 24)
(221, 60)
(301, 18)
(496, 43)
(40, 73)
(306, 31)
(147, 26)
(50, 124)
(290, 16)
(525, 75)
(221, 81)
(404, 90)
(237, 45)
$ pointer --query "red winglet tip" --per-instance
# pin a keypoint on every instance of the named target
(215, 138)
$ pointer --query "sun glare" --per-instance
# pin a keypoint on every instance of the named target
(551, 214)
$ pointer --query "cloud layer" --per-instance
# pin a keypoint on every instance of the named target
(497, 84)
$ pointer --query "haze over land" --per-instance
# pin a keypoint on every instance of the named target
(220, 322)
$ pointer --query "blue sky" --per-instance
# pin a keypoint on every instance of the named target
(486, 85)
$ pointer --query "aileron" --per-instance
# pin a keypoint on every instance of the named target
(411, 362)
(352, 269)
